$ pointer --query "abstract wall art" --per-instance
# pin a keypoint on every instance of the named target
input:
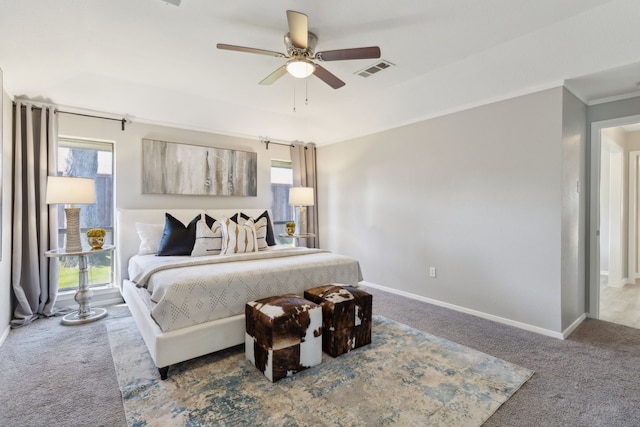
(174, 168)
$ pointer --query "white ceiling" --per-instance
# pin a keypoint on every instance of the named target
(158, 63)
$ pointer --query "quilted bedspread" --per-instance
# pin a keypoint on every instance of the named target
(187, 291)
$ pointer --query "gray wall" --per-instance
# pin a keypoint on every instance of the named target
(476, 194)
(613, 110)
(574, 196)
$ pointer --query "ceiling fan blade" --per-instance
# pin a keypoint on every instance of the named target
(328, 77)
(298, 28)
(343, 54)
(271, 78)
(250, 50)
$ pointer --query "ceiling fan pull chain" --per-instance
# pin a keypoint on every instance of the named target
(294, 96)
(306, 91)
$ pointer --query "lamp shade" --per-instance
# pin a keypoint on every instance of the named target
(70, 190)
(301, 196)
(300, 68)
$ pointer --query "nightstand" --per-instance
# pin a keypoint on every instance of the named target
(85, 313)
(295, 237)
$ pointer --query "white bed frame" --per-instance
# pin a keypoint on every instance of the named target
(168, 348)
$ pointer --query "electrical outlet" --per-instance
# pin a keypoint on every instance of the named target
(432, 272)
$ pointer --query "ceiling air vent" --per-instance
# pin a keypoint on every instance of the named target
(375, 68)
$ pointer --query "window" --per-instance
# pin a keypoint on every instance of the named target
(89, 159)
(281, 182)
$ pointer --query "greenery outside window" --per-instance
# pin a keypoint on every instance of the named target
(90, 159)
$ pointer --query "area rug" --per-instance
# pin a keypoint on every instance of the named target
(404, 377)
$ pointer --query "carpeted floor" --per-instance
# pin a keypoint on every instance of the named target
(60, 376)
(404, 377)
(53, 375)
(590, 379)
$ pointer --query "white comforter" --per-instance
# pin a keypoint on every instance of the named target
(187, 291)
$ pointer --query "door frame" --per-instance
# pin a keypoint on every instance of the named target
(632, 263)
(594, 208)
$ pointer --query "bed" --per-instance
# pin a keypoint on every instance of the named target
(188, 306)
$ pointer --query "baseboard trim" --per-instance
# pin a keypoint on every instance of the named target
(520, 325)
(573, 326)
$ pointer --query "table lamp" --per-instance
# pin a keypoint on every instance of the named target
(301, 197)
(71, 190)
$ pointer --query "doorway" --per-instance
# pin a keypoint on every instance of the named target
(614, 294)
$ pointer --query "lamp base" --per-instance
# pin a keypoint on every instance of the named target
(302, 220)
(76, 318)
(73, 230)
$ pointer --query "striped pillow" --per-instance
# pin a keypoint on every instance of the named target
(261, 230)
(261, 233)
(238, 238)
(208, 240)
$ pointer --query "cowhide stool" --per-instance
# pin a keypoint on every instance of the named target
(283, 335)
(346, 317)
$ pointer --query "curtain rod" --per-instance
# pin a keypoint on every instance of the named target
(123, 120)
(266, 142)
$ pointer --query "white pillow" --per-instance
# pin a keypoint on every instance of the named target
(150, 237)
(261, 231)
(208, 240)
(238, 238)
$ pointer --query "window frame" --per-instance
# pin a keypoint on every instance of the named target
(98, 280)
(280, 223)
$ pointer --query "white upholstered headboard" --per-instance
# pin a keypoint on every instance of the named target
(128, 242)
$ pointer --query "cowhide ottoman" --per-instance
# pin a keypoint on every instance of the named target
(283, 335)
(346, 317)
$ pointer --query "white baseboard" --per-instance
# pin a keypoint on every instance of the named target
(619, 284)
(573, 326)
(520, 325)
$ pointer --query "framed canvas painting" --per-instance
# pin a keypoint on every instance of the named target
(174, 168)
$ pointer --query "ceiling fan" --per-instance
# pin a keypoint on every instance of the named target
(301, 53)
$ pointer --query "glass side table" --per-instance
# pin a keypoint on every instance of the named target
(85, 313)
(295, 237)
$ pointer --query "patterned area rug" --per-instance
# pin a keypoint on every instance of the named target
(405, 377)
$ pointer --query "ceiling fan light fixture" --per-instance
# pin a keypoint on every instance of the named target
(300, 68)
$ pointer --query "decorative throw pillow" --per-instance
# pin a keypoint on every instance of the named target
(178, 239)
(270, 238)
(238, 238)
(261, 233)
(208, 239)
(150, 236)
(261, 228)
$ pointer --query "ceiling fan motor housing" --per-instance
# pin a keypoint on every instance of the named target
(297, 52)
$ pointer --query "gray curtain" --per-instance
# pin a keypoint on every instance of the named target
(303, 165)
(34, 283)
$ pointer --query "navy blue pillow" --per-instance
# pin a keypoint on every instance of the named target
(178, 239)
(271, 238)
